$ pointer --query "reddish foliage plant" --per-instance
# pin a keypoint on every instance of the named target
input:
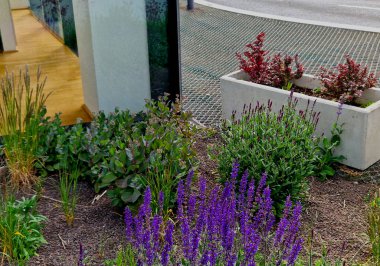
(349, 83)
(263, 69)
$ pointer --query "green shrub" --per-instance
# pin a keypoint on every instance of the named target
(48, 161)
(20, 230)
(124, 152)
(130, 152)
(281, 144)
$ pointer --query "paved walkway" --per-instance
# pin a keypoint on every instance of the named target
(37, 47)
(211, 37)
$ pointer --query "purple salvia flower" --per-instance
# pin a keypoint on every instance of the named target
(281, 228)
(161, 198)
(271, 220)
(189, 180)
(288, 207)
(229, 254)
(156, 223)
(180, 193)
(265, 208)
(212, 229)
(168, 243)
(261, 186)
(146, 204)
(185, 231)
(191, 208)
(201, 220)
(250, 194)
(148, 247)
(297, 247)
(138, 222)
(128, 220)
(81, 255)
(243, 190)
(205, 258)
(234, 172)
(252, 246)
(284, 222)
(293, 227)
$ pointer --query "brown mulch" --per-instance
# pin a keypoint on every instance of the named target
(314, 93)
(337, 216)
(97, 227)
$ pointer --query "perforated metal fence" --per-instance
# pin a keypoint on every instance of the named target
(211, 37)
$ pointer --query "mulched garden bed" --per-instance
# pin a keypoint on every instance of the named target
(336, 210)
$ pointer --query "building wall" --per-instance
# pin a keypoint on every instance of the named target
(6, 27)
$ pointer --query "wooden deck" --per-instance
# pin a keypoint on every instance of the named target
(38, 47)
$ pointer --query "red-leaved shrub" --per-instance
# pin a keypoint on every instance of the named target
(263, 69)
(349, 83)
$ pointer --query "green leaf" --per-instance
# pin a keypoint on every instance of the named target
(108, 178)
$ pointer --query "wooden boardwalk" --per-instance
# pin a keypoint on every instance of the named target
(38, 47)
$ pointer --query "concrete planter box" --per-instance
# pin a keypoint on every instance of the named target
(361, 136)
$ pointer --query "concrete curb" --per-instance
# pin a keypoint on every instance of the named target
(289, 19)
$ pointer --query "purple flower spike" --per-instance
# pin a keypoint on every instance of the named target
(128, 220)
(295, 251)
(189, 180)
(81, 255)
(250, 194)
(234, 172)
(157, 220)
(161, 202)
(147, 202)
(180, 193)
(191, 207)
(168, 243)
(243, 189)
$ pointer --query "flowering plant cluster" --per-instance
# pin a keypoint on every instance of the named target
(283, 144)
(349, 83)
(226, 228)
(277, 71)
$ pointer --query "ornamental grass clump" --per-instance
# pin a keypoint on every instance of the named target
(348, 83)
(276, 72)
(282, 144)
(21, 111)
(222, 228)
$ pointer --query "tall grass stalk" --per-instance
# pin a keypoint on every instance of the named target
(21, 105)
(374, 227)
(68, 190)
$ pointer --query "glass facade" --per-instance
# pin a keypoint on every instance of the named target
(58, 15)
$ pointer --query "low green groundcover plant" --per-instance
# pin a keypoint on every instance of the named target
(281, 144)
(20, 230)
(124, 152)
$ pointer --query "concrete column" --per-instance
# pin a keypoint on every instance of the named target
(7, 30)
(19, 4)
(113, 53)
